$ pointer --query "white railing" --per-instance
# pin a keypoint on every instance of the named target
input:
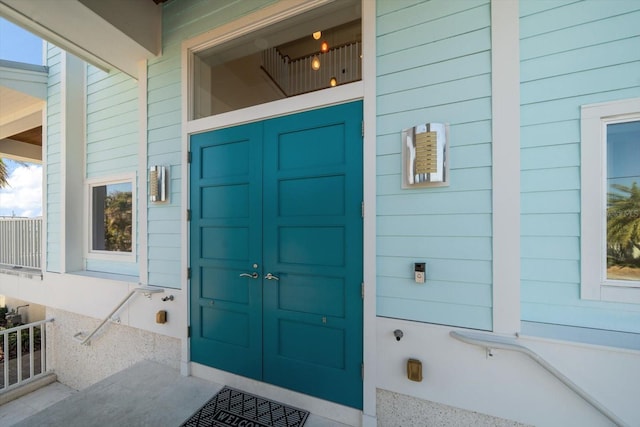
(493, 341)
(23, 355)
(85, 339)
(20, 242)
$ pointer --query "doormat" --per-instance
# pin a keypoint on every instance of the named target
(233, 408)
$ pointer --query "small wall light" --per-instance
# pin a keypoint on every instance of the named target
(158, 184)
(333, 82)
(324, 46)
(317, 35)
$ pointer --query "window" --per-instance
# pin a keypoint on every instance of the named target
(318, 49)
(611, 201)
(111, 217)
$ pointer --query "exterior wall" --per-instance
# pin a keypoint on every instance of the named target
(506, 385)
(53, 159)
(433, 65)
(112, 123)
(571, 54)
(117, 348)
(181, 20)
(112, 129)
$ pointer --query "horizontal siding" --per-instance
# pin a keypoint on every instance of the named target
(53, 191)
(112, 140)
(112, 123)
(181, 20)
(434, 64)
(572, 53)
(114, 267)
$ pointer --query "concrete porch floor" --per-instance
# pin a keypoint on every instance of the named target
(146, 394)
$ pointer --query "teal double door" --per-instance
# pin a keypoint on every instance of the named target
(276, 251)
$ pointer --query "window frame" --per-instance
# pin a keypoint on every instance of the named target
(593, 128)
(91, 253)
(260, 20)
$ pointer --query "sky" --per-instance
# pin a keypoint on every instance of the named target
(19, 45)
(23, 197)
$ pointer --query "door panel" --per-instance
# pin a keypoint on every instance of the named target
(313, 243)
(226, 239)
(284, 194)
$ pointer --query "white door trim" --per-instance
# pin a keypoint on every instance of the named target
(366, 90)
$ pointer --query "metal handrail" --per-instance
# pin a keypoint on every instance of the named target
(43, 357)
(146, 290)
(491, 341)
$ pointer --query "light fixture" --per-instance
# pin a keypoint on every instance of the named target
(324, 46)
(333, 82)
(158, 184)
(317, 35)
(315, 63)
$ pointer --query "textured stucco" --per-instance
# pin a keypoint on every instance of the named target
(399, 410)
(113, 349)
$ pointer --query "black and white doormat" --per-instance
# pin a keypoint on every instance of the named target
(233, 408)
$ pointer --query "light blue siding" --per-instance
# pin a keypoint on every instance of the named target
(112, 140)
(572, 53)
(181, 21)
(53, 190)
(112, 123)
(433, 65)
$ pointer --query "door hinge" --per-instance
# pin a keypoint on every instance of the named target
(362, 290)
(189, 273)
(188, 331)
(188, 156)
(362, 370)
(362, 209)
(363, 128)
(188, 214)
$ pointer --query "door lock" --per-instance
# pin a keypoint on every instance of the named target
(253, 275)
(270, 276)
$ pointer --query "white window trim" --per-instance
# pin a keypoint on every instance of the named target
(107, 255)
(594, 118)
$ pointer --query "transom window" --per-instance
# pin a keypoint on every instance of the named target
(317, 49)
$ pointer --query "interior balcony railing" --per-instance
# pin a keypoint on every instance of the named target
(21, 242)
(338, 66)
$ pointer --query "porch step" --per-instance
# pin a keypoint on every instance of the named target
(146, 394)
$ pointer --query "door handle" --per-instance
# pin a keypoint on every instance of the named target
(270, 276)
(253, 275)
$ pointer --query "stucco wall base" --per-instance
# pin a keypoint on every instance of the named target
(399, 410)
(113, 349)
(508, 385)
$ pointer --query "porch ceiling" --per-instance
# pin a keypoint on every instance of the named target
(31, 136)
(115, 34)
(23, 88)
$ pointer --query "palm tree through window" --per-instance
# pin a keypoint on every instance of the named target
(623, 201)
